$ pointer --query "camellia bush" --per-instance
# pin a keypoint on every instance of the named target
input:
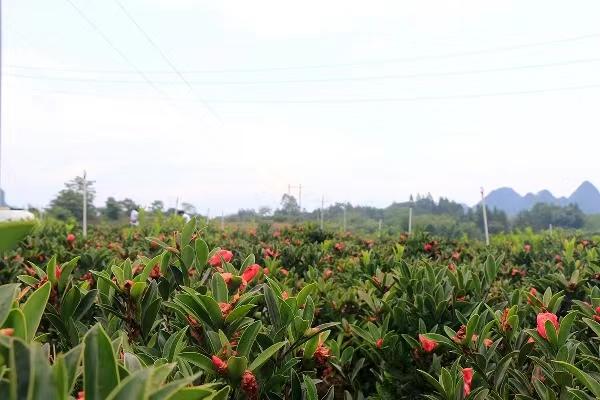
(173, 311)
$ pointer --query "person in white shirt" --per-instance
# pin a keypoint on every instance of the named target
(133, 218)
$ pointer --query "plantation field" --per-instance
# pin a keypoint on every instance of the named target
(178, 311)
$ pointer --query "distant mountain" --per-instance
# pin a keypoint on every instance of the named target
(587, 197)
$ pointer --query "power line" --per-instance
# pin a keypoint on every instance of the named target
(318, 80)
(117, 50)
(338, 65)
(363, 100)
(165, 58)
(410, 99)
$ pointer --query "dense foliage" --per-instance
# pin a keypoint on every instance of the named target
(172, 311)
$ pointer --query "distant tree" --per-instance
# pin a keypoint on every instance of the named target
(289, 205)
(112, 209)
(189, 208)
(264, 211)
(69, 201)
(157, 206)
(542, 215)
(127, 205)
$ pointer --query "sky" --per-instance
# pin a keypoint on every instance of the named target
(223, 104)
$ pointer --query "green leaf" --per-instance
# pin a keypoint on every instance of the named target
(311, 388)
(219, 289)
(132, 387)
(34, 307)
(201, 254)
(187, 255)
(16, 320)
(65, 274)
(265, 355)
(593, 325)
(8, 293)
(100, 374)
(198, 360)
(583, 377)
(247, 339)
(239, 312)
(565, 327)
(236, 366)
(303, 294)
(187, 232)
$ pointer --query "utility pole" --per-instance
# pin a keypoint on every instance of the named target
(344, 219)
(84, 203)
(176, 205)
(322, 210)
(222, 221)
(409, 220)
(485, 222)
(379, 229)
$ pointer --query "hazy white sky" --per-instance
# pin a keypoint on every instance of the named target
(359, 101)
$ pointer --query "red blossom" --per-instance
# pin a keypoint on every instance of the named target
(249, 385)
(379, 343)
(225, 308)
(215, 260)
(428, 345)
(220, 365)
(70, 238)
(467, 379)
(250, 273)
(541, 323)
(322, 354)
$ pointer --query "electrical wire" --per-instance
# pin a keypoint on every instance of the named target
(317, 80)
(165, 58)
(467, 53)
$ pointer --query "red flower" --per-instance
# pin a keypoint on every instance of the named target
(70, 238)
(7, 332)
(215, 260)
(533, 292)
(467, 379)
(266, 271)
(284, 271)
(322, 354)
(541, 323)
(428, 247)
(327, 273)
(379, 343)
(487, 342)
(57, 271)
(456, 256)
(270, 253)
(527, 248)
(558, 258)
(427, 344)
(504, 320)
(249, 385)
(250, 272)
(340, 246)
(220, 365)
(225, 308)
(452, 267)
(460, 334)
